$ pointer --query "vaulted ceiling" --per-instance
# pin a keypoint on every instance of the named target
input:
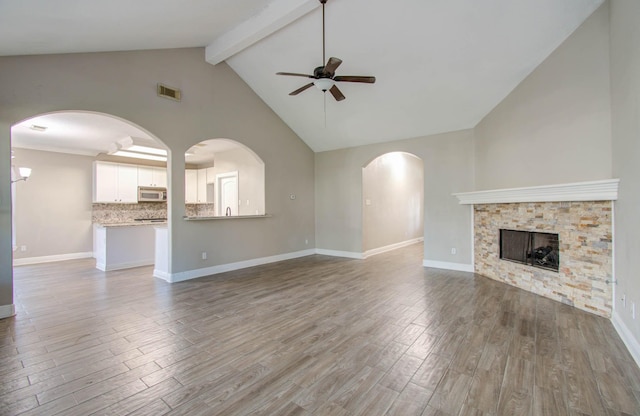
(440, 65)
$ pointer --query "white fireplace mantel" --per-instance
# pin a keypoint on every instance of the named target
(604, 190)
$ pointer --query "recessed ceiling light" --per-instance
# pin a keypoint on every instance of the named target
(37, 127)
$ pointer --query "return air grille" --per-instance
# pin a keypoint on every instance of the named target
(169, 92)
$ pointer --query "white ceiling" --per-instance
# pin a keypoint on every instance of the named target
(441, 65)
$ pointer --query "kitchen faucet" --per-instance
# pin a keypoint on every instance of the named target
(227, 213)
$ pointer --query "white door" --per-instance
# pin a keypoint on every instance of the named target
(227, 193)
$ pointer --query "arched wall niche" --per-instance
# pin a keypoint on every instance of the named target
(223, 177)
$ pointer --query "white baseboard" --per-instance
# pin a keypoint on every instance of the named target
(7, 311)
(460, 267)
(338, 253)
(161, 274)
(208, 271)
(627, 337)
(49, 259)
(128, 265)
(390, 247)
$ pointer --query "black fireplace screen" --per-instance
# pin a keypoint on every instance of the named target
(532, 248)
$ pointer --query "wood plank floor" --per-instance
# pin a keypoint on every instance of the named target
(311, 336)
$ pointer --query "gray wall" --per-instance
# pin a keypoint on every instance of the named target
(216, 103)
(53, 207)
(625, 105)
(393, 186)
(555, 127)
(448, 168)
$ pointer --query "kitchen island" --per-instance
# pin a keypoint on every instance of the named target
(125, 245)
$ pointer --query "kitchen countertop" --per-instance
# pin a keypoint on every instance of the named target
(222, 217)
(132, 224)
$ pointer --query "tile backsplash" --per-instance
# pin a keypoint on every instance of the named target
(119, 213)
(199, 210)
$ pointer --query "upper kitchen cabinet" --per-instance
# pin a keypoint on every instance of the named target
(196, 187)
(191, 186)
(152, 176)
(115, 182)
(202, 186)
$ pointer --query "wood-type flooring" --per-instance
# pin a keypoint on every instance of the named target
(312, 336)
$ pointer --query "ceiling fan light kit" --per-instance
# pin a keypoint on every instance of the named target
(324, 76)
(323, 84)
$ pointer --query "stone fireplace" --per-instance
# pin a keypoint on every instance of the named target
(581, 216)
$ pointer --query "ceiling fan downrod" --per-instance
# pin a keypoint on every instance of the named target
(323, 38)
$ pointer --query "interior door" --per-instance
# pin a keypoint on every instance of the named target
(227, 193)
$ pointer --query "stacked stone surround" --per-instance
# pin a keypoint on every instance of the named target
(585, 233)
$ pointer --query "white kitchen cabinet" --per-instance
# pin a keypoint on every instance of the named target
(195, 186)
(191, 186)
(115, 182)
(211, 176)
(202, 186)
(128, 183)
(152, 176)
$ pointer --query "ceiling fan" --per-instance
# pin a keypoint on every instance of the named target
(324, 77)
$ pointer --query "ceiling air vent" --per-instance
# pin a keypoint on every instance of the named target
(169, 92)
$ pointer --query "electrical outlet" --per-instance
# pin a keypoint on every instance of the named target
(204, 255)
(306, 241)
(23, 248)
(454, 250)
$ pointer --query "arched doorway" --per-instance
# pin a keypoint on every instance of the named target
(393, 202)
(53, 212)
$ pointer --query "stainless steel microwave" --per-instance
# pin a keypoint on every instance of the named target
(146, 194)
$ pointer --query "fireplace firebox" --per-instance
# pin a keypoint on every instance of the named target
(531, 248)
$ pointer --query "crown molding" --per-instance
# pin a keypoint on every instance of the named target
(604, 190)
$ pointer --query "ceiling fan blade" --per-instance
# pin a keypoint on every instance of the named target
(337, 94)
(355, 78)
(299, 90)
(293, 74)
(332, 65)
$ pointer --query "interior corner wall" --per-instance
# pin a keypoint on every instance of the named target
(215, 103)
(448, 168)
(625, 109)
(53, 207)
(555, 126)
